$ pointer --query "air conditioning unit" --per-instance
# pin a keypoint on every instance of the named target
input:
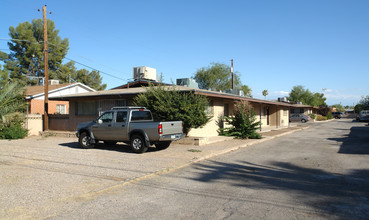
(235, 92)
(283, 99)
(188, 82)
(144, 72)
(53, 82)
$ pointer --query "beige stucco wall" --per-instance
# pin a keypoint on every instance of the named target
(211, 128)
(34, 124)
(284, 118)
(278, 117)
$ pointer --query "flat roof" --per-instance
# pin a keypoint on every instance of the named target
(114, 93)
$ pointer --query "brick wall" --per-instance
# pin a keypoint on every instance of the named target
(37, 106)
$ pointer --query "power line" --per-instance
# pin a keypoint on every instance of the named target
(10, 39)
(95, 69)
(108, 74)
(89, 59)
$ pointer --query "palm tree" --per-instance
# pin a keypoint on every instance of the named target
(11, 99)
(265, 93)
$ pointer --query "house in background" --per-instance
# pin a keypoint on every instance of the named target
(303, 109)
(35, 96)
(299, 108)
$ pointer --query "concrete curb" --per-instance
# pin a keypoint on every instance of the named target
(255, 141)
(324, 121)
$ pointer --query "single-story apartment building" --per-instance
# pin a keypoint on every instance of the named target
(88, 106)
(303, 109)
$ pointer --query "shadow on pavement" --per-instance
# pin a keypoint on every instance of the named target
(356, 142)
(342, 196)
(119, 147)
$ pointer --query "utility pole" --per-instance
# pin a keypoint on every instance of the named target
(232, 71)
(46, 82)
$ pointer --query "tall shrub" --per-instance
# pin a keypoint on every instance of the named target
(169, 104)
(12, 127)
(12, 102)
(243, 123)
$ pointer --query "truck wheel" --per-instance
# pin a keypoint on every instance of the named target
(110, 143)
(303, 120)
(138, 144)
(162, 145)
(85, 141)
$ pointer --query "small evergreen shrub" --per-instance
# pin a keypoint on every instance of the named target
(243, 123)
(321, 118)
(312, 116)
(329, 115)
(12, 128)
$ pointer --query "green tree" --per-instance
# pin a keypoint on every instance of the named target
(265, 93)
(339, 107)
(4, 77)
(25, 61)
(363, 104)
(92, 79)
(217, 77)
(169, 104)
(318, 99)
(300, 94)
(247, 91)
(26, 57)
(69, 73)
(243, 123)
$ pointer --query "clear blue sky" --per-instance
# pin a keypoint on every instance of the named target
(275, 44)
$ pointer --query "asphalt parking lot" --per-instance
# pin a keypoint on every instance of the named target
(40, 175)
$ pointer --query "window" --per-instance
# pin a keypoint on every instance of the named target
(210, 108)
(141, 115)
(106, 117)
(61, 109)
(105, 105)
(86, 108)
(301, 110)
(226, 109)
(121, 116)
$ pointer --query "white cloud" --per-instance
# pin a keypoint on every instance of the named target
(342, 96)
(280, 93)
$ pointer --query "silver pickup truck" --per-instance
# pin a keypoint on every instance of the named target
(132, 125)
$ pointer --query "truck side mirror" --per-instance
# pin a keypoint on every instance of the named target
(100, 121)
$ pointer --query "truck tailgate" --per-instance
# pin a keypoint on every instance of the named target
(172, 127)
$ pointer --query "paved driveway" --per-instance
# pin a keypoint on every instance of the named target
(43, 177)
(317, 173)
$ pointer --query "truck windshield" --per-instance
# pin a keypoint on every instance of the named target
(141, 115)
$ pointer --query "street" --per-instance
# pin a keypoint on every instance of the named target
(318, 173)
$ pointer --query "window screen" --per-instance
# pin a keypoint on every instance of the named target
(86, 108)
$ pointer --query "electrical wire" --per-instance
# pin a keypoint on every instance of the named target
(105, 73)
(88, 59)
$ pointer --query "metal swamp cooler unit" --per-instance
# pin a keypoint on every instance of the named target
(144, 72)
